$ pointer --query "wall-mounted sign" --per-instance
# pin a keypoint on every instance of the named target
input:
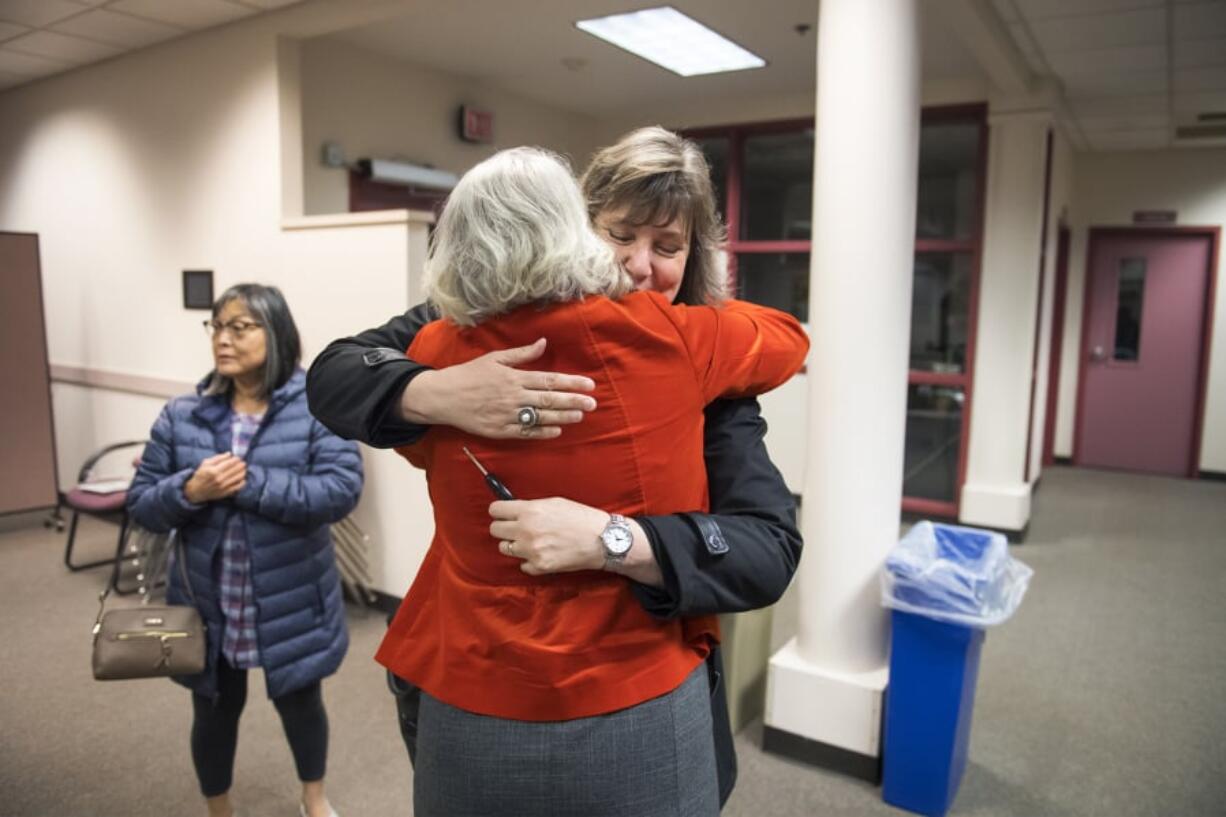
(476, 125)
(1153, 217)
(197, 289)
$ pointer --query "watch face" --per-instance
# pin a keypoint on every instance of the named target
(617, 539)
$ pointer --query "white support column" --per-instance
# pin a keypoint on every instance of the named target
(824, 690)
(996, 493)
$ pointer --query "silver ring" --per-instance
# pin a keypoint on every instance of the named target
(528, 417)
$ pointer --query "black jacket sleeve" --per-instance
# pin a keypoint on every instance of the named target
(742, 555)
(354, 385)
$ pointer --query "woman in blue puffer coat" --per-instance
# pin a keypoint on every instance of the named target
(251, 481)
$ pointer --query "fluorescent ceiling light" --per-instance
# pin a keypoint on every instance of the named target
(671, 40)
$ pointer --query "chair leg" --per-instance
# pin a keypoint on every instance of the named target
(72, 538)
(124, 529)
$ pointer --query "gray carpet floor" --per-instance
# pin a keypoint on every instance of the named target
(1103, 696)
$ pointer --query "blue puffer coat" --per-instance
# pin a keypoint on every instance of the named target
(300, 478)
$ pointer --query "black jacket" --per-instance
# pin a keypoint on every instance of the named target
(740, 556)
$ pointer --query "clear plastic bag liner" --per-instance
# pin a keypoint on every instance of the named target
(954, 574)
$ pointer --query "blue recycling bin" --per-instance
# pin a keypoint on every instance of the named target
(933, 669)
(944, 585)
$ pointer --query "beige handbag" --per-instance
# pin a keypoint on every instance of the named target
(149, 641)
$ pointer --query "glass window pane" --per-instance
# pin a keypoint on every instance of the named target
(1130, 300)
(934, 437)
(948, 172)
(780, 280)
(715, 148)
(777, 187)
(940, 311)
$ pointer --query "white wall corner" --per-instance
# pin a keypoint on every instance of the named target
(1006, 507)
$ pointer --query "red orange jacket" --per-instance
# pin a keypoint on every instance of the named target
(476, 632)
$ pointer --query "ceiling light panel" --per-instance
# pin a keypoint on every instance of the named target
(672, 40)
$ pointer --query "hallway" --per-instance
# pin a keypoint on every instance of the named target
(1102, 697)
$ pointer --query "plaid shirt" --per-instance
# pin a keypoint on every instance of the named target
(238, 641)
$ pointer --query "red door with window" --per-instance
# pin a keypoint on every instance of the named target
(1143, 351)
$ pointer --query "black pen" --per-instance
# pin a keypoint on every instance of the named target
(496, 486)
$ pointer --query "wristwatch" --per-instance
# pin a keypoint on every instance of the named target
(617, 539)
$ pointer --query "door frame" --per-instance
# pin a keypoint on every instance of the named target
(1035, 358)
(1056, 351)
(1093, 239)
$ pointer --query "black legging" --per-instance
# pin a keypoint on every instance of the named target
(215, 730)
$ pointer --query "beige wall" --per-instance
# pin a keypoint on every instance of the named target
(377, 106)
(134, 169)
(697, 113)
(1108, 188)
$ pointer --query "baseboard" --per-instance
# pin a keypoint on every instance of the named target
(1214, 476)
(385, 602)
(1063, 460)
(823, 755)
(25, 518)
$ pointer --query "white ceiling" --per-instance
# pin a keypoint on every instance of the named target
(1132, 70)
(525, 47)
(39, 38)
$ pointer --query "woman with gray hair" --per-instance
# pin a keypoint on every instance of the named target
(550, 692)
(651, 198)
(251, 481)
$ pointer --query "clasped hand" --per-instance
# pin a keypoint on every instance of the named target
(550, 535)
(217, 477)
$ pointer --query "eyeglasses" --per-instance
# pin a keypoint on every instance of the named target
(237, 329)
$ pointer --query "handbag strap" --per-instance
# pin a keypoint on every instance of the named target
(180, 559)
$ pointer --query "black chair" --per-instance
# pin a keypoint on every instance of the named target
(109, 505)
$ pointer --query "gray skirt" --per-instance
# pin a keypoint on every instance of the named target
(656, 759)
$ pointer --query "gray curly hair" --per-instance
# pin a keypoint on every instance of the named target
(515, 232)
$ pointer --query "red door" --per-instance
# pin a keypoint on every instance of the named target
(1143, 346)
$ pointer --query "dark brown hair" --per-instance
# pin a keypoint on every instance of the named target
(657, 176)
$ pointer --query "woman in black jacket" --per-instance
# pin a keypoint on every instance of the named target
(651, 199)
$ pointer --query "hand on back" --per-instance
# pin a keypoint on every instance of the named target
(483, 396)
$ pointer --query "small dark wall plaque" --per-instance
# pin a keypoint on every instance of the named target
(197, 289)
(1153, 217)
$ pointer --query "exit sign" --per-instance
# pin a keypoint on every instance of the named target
(476, 125)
